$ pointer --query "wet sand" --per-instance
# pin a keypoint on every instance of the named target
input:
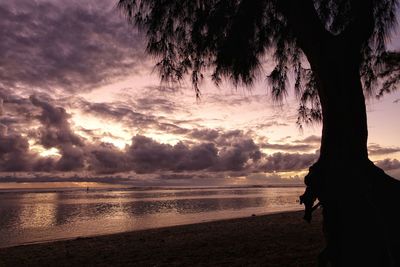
(270, 240)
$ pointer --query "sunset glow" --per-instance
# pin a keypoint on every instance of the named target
(92, 103)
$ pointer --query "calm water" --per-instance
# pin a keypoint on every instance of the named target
(27, 217)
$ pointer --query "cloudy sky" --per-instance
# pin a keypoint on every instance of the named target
(79, 100)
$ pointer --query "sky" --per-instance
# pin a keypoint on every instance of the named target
(80, 101)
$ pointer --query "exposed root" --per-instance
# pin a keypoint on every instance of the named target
(360, 205)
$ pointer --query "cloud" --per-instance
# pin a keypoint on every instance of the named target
(132, 115)
(71, 47)
(200, 149)
(111, 110)
(284, 162)
(14, 153)
(106, 158)
(309, 143)
(147, 155)
(65, 44)
(17, 111)
(288, 147)
(55, 131)
(204, 134)
(312, 139)
(388, 164)
(239, 155)
(151, 104)
(377, 150)
(204, 150)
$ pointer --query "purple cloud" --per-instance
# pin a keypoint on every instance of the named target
(62, 45)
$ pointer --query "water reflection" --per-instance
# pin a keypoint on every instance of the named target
(37, 210)
(29, 217)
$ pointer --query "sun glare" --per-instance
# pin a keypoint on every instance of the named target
(52, 152)
(164, 138)
(95, 128)
(42, 151)
(120, 143)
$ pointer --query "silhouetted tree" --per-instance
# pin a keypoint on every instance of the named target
(335, 51)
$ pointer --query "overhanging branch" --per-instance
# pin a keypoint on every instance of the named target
(303, 19)
(361, 27)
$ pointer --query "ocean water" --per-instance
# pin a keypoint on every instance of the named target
(28, 216)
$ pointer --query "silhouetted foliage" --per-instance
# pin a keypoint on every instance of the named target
(234, 39)
(334, 51)
(390, 73)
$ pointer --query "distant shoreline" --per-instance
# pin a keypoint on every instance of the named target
(138, 188)
(280, 239)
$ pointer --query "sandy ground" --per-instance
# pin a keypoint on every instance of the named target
(271, 240)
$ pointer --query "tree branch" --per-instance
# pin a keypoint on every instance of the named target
(361, 27)
(307, 26)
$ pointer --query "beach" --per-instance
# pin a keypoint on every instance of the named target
(42, 216)
(282, 239)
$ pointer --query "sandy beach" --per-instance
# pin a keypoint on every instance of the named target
(282, 239)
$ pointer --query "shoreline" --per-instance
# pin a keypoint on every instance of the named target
(46, 241)
(278, 239)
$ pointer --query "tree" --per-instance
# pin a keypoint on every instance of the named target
(335, 50)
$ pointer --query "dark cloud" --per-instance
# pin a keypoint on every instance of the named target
(131, 115)
(147, 155)
(65, 44)
(202, 150)
(207, 149)
(388, 164)
(239, 155)
(209, 135)
(71, 177)
(288, 147)
(151, 104)
(74, 46)
(122, 113)
(312, 139)
(16, 156)
(107, 110)
(309, 143)
(190, 179)
(106, 158)
(170, 128)
(377, 150)
(17, 112)
(14, 153)
(283, 162)
(227, 138)
(219, 137)
(55, 131)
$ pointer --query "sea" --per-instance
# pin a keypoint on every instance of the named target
(43, 214)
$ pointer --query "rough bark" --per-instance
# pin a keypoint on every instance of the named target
(358, 199)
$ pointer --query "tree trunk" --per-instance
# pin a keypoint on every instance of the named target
(359, 200)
